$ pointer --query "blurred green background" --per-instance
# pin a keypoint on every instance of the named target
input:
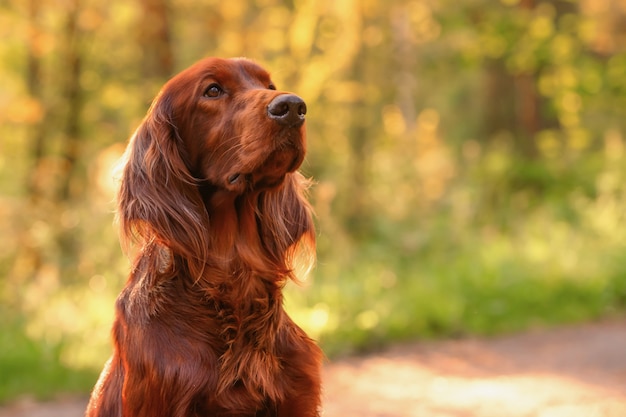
(469, 159)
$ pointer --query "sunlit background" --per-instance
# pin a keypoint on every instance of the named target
(469, 160)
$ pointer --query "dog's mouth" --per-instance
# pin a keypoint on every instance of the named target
(269, 173)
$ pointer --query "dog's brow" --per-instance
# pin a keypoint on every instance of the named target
(236, 74)
(254, 74)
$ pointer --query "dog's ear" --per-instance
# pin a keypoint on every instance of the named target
(286, 226)
(158, 200)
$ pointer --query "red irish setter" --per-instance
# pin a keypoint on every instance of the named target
(211, 197)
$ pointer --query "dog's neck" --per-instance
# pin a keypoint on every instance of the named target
(236, 245)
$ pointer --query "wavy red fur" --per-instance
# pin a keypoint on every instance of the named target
(212, 202)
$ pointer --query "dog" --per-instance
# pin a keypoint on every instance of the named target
(213, 205)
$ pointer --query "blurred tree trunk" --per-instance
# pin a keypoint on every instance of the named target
(34, 86)
(405, 62)
(512, 101)
(72, 180)
(28, 258)
(357, 214)
(157, 63)
(512, 105)
(75, 99)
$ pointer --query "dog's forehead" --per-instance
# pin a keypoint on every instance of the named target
(237, 70)
(251, 70)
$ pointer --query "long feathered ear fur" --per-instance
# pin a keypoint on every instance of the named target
(286, 226)
(158, 200)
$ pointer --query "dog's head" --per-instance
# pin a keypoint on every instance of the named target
(219, 127)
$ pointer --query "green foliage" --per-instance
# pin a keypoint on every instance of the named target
(469, 161)
(545, 256)
(35, 367)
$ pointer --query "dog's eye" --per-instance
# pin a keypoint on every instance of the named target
(213, 91)
(272, 86)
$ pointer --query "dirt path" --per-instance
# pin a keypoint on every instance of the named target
(577, 371)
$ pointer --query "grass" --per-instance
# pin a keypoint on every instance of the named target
(33, 368)
(452, 297)
(458, 279)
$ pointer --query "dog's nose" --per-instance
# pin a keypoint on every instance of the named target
(288, 110)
